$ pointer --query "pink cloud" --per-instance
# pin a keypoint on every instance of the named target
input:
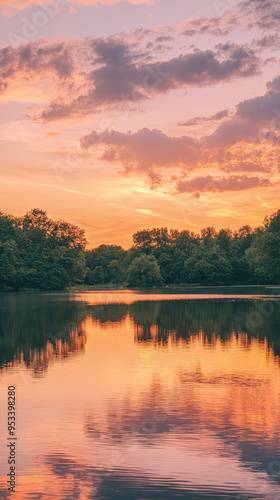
(254, 123)
(119, 77)
(116, 74)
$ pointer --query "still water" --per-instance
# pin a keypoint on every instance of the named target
(127, 395)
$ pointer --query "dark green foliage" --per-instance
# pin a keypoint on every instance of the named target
(102, 257)
(95, 276)
(11, 266)
(144, 272)
(209, 266)
(116, 272)
(263, 256)
(37, 252)
(152, 240)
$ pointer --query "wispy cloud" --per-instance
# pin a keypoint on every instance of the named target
(10, 6)
(53, 186)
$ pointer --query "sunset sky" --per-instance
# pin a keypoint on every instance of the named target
(118, 116)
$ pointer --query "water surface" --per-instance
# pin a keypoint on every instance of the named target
(127, 395)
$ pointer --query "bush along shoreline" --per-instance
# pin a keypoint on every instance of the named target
(41, 254)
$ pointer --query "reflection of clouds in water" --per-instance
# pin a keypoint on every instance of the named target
(198, 418)
(78, 480)
(227, 390)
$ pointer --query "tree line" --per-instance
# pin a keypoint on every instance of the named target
(39, 253)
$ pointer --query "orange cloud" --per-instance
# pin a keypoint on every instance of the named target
(22, 4)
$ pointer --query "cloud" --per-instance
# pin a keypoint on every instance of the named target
(246, 142)
(14, 5)
(221, 184)
(34, 60)
(151, 152)
(144, 150)
(216, 26)
(240, 166)
(264, 14)
(268, 42)
(111, 72)
(198, 120)
(255, 119)
(120, 76)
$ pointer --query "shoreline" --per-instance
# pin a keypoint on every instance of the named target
(186, 289)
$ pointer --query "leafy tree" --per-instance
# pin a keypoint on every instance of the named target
(38, 252)
(7, 229)
(224, 240)
(263, 256)
(144, 272)
(95, 277)
(208, 234)
(209, 266)
(116, 272)
(171, 262)
(102, 256)
(184, 240)
(152, 240)
(11, 266)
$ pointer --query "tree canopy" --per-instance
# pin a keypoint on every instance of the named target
(38, 252)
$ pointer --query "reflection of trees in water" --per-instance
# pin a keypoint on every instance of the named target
(34, 330)
(174, 320)
(38, 360)
(179, 320)
(108, 313)
(212, 317)
(37, 328)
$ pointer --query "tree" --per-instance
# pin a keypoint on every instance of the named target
(7, 229)
(209, 266)
(263, 256)
(102, 256)
(208, 233)
(11, 266)
(152, 240)
(116, 272)
(171, 262)
(95, 276)
(144, 272)
(224, 240)
(37, 252)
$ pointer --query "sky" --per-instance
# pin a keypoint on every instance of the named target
(119, 116)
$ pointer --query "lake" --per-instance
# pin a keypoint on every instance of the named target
(134, 395)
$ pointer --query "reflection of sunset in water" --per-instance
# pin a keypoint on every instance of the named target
(38, 360)
(154, 408)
